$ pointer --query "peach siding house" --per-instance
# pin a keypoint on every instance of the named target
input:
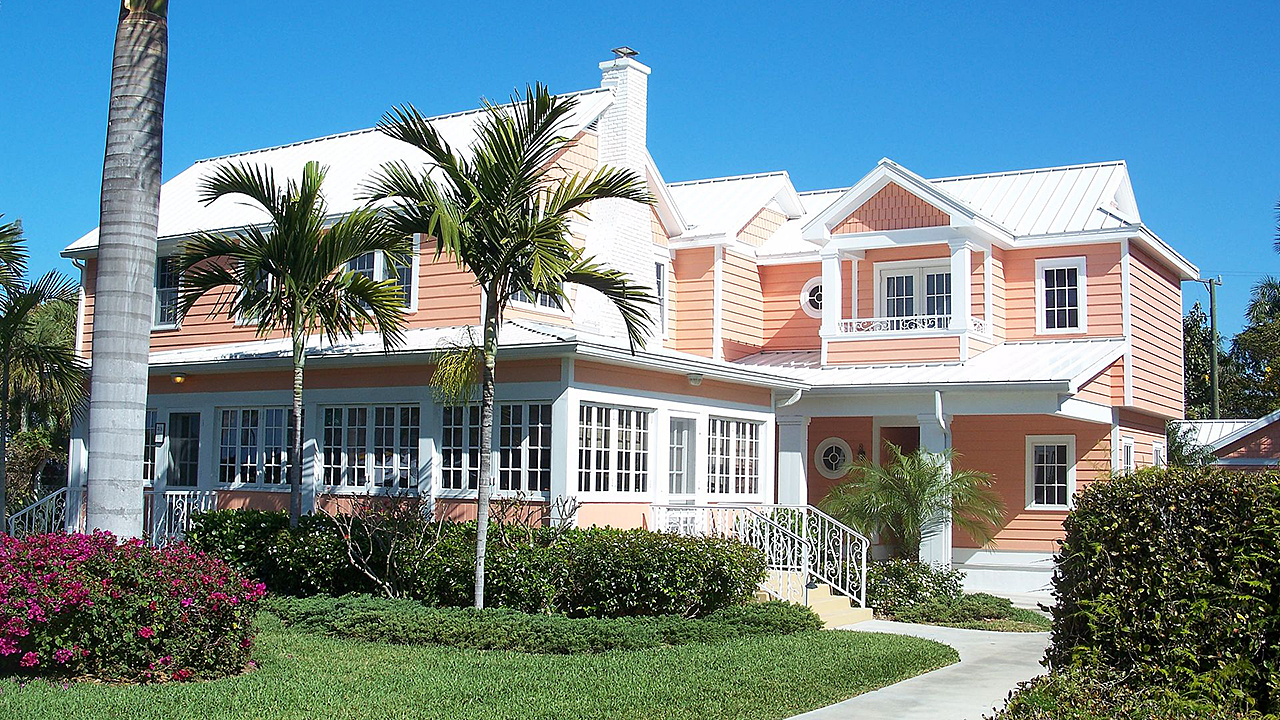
(1028, 319)
(1240, 444)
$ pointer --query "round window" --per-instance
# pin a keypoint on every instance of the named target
(811, 298)
(832, 458)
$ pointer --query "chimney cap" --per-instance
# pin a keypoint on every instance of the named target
(623, 51)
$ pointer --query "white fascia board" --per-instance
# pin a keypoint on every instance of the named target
(1078, 409)
(878, 239)
(1246, 431)
(796, 258)
(1163, 250)
(1054, 386)
(1140, 233)
(668, 212)
(678, 365)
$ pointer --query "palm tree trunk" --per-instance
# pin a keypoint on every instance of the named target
(485, 488)
(295, 452)
(4, 440)
(126, 269)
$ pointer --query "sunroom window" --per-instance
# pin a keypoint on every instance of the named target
(367, 445)
(613, 449)
(733, 457)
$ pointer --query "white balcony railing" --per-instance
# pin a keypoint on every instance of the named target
(910, 324)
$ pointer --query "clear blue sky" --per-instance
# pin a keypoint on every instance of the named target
(1187, 92)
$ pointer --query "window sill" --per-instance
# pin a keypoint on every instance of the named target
(1048, 508)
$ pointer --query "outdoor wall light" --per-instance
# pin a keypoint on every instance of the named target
(178, 378)
(695, 379)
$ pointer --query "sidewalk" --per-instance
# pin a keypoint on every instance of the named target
(991, 664)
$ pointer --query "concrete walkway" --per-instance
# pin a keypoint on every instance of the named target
(991, 664)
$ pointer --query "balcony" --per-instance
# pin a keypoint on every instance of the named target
(911, 325)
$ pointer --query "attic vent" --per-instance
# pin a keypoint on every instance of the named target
(594, 125)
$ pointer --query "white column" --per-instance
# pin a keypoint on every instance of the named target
(832, 294)
(961, 279)
(793, 457)
(312, 428)
(853, 288)
(935, 548)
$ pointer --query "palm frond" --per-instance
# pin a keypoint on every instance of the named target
(633, 301)
(13, 252)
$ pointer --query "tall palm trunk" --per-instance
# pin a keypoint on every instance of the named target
(484, 490)
(126, 268)
(295, 450)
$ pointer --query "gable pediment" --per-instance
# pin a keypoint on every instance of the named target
(893, 207)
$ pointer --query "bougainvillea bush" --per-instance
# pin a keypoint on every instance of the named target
(88, 606)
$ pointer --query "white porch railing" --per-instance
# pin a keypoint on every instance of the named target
(46, 515)
(166, 514)
(904, 324)
(800, 543)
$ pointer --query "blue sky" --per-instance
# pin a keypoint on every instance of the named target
(1188, 93)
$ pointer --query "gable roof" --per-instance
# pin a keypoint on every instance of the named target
(720, 207)
(1218, 434)
(351, 157)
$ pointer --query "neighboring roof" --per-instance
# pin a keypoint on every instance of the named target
(722, 206)
(1218, 434)
(351, 157)
(1068, 363)
(521, 338)
(1047, 201)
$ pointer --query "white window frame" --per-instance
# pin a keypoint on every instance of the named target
(150, 446)
(1159, 454)
(536, 304)
(662, 292)
(821, 450)
(469, 450)
(919, 268)
(370, 466)
(614, 450)
(380, 272)
(1082, 283)
(1029, 468)
(525, 450)
(259, 449)
(1128, 455)
(735, 442)
(814, 282)
(155, 291)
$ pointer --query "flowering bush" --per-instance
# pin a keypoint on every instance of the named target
(89, 606)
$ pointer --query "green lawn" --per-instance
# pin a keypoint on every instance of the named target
(309, 676)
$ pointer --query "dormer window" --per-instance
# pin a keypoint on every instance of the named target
(1060, 296)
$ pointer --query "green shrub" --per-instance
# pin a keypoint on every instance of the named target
(412, 623)
(592, 572)
(893, 585)
(974, 610)
(1076, 695)
(1172, 577)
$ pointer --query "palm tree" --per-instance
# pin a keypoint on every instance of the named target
(47, 366)
(906, 494)
(292, 276)
(126, 267)
(496, 214)
(13, 252)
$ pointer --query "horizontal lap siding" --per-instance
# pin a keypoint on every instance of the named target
(1157, 337)
(868, 284)
(590, 373)
(977, 279)
(1103, 288)
(1263, 443)
(693, 287)
(892, 208)
(1145, 431)
(856, 431)
(786, 325)
(996, 444)
(997, 316)
(761, 227)
(895, 350)
(743, 306)
(1101, 388)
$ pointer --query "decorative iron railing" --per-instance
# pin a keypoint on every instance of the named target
(46, 515)
(909, 324)
(800, 542)
(166, 514)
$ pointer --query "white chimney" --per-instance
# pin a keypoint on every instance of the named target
(621, 234)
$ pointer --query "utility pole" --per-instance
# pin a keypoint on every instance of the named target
(1213, 284)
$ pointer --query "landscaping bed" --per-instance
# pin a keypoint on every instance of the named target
(302, 674)
(915, 592)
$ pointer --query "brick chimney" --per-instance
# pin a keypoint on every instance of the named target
(621, 234)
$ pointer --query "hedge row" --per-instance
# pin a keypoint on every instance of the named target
(413, 623)
(1078, 695)
(1172, 578)
(595, 572)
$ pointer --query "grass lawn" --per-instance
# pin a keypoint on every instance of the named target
(310, 676)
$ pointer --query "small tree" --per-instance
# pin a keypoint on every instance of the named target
(903, 496)
(292, 276)
(1183, 450)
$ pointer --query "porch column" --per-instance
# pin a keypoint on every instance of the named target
(935, 547)
(961, 279)
(793, 456)
(832, 294)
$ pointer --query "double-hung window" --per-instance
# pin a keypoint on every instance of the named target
(370, 446)
(915, 297)
(733, 457)
(613, 449)
(149, 447)
(660, 294)
(1060, 296)
(376, 266)
(1051, 471)
(539, 300)
(253, 445)
(1159, 454)
(1128, 459)
(166, 304)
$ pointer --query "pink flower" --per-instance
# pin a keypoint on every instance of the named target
(146, 632)
(30, 660)
(8, 646)
(63, 656)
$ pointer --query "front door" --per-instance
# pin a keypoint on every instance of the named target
(184, 450)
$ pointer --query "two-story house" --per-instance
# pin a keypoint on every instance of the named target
(1027, 319)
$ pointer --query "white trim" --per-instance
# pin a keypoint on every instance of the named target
(1029, 469)
(1078, 262)
(717, 305)
(1126, 304)
(1128, 447)
(822, 448)
(1159, 454)
(804, 297)
(1247, 462)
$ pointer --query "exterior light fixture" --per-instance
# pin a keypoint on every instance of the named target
(178, 378)
(695, 379)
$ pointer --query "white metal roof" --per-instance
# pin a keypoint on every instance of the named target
(1070, 362)
(1218, 434)
(351, 157)
(1047, 201)
(722, 206)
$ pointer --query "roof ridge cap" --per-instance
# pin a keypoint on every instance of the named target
(1026, 171)
(730, 178)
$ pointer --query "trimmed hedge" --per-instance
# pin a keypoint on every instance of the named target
(88, 606)
(1076, 695)
(1172, 578)
(980, 611)
(593, 572)
(895, 585)
(409, 622)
